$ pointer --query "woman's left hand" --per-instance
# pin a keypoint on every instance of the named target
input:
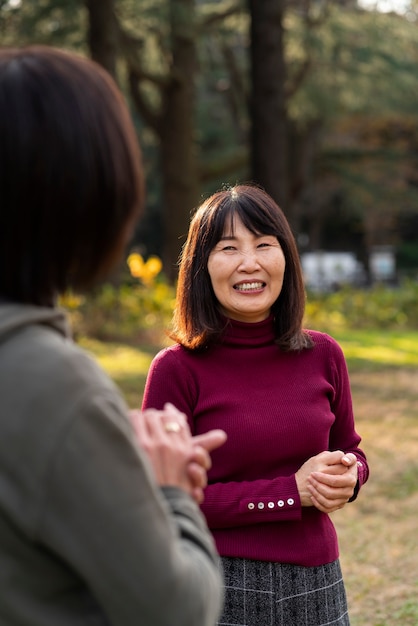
(330, 491)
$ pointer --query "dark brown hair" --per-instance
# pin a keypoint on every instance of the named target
(197, 321)
(71, 184)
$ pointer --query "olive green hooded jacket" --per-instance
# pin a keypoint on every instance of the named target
(87, 538)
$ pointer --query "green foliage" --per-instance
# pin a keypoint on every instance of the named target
(409, 611)
(51, 22)
(378, 307)
(129, 312)
(402, 485)
(361, 62)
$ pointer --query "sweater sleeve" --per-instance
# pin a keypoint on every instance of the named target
(343, 435)
(145, 553)
(247, 503)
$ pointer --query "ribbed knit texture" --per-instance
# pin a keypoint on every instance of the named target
(278, 409)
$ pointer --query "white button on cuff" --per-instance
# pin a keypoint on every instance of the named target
(280, 503)
(251, 505)
(271, 505)
(290, 501)
(261, 505)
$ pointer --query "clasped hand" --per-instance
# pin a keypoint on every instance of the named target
(177, 458)
(327, 480)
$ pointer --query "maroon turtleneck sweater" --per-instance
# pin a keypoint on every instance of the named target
(278, 409)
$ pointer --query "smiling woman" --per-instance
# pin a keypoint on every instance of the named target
(244, 363)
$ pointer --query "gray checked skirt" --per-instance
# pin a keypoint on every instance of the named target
(259, 593)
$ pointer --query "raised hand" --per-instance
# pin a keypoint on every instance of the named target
(178, 459)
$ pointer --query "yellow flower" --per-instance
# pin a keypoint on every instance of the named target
(136, 265)
(145, 271)
(71, 301)
(154, 265)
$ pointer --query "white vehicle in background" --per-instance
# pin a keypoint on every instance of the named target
(329, 271)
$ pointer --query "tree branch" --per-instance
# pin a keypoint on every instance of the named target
(297, 80)
(149, 115)
(214, 18)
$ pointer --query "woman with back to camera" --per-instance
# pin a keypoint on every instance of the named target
(94, 528)
(242, 362)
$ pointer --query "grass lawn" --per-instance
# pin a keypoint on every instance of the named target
(378, 533)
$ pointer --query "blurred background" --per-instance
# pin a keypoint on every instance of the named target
(316, 100)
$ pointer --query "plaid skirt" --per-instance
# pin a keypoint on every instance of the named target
(260, 593)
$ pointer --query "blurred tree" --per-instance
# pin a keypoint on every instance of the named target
(281, 147)
(268, 106)
(102, 35)
(161, 67)
(168, 109)
(361, 94)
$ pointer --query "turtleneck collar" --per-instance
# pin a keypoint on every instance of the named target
(247, 334)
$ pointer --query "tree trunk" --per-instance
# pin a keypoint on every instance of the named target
(179, 158)
(268, 100)
(103, 33)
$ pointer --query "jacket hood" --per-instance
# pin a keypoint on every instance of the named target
(14, 317)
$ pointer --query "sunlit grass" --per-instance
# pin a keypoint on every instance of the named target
(379, 348)
(119, 359)
(126, 365)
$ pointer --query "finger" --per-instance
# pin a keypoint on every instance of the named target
(139, 422)
(173, 413)
(171, 427)
(175, 422)
(317, 504)
(163, 424)
(197, 475)
(325, 503)
(334, 457)
(335, 470)
(154, 424)
(152, 421)
(201, 456)
(326, 509)
(211, 440)
(349, 459)
(336, 481)
(198, 495)
(330, 496)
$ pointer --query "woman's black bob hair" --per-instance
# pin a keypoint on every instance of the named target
(71, 183)
(197, 321)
